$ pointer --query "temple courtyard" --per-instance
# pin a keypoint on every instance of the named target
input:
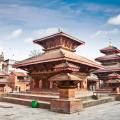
(107, 111)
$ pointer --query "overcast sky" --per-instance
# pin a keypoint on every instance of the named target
(22, 21)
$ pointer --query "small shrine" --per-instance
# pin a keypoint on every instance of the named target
(114, 82)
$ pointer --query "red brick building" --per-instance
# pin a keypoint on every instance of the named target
(3, 80)
(18, 81)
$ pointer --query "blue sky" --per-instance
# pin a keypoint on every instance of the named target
(94, 21)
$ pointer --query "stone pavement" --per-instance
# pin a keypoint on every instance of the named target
(107, 111)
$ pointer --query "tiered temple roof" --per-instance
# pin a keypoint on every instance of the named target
(108, 57)
(107, 69)
(57, 55)
(2, 74)
(110, 61)
(113, 78)
(59, 40)
(65, 77)
(66, 66)
(19, 74)
(111, 53)
(3, 81)
(110, 50)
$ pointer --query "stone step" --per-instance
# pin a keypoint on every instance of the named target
(45, 103)
(102, 100)
(42, 92)
(26, 102)
(46, 98)
(85, 98)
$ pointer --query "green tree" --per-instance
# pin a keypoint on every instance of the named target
(34, 53)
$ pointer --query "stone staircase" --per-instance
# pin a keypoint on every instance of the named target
(89, 103)
(26, 99)
(40, 97)
(44, 100)
(44, 92)
(26, 102)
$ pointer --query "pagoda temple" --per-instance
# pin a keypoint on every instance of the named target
(58, 63)
(111, 63)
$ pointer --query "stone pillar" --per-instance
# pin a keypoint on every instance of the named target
(117, 90)
(78, 87)
(117, 96)
(51, 85)
(67, 102)
(40, 84)
(1, 90)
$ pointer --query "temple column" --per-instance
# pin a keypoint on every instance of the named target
(51, 84)
(40, 84)
(78, 86)
(33, 84)
(117, 90)
(45, 83)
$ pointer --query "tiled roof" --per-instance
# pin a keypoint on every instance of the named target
(92, 78)
(113, 81)
(107, 69)
(25, 80)
(56, 55)
(59, 34)
(2, 74)
(110, 48)
(19, 74)
(108, 57)
(114, 75)
(66, 65)
(64, 77)
(3, 81)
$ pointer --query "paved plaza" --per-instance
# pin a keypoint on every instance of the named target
(108, 111)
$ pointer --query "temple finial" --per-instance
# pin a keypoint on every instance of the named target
(2, 56)
(110, 43)
(59, 29)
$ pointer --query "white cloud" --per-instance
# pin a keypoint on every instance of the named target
(28, 40)
(41, 33)
(16, 33)
(114, 20)
(1, 49)
(94, 7)
(45, 32)
(105, 33)
(32, 16)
